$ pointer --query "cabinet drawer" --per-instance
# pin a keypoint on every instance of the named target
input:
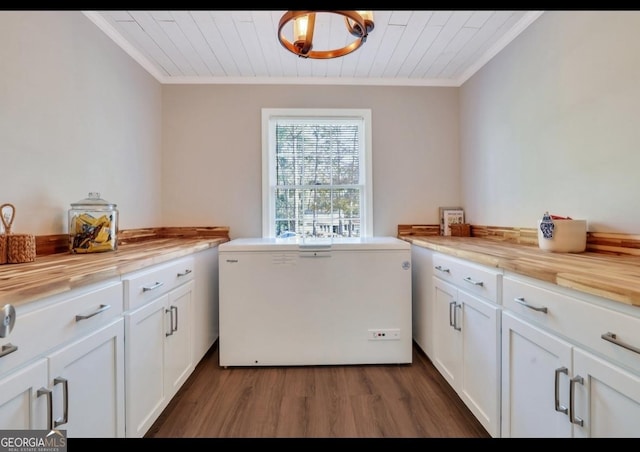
(473, 278)
(146, 285)
(581, 321)
(47, 323)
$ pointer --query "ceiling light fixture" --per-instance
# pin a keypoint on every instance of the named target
(358, 23)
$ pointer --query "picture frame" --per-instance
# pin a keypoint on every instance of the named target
(448, 216)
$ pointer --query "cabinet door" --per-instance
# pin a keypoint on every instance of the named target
(145, 330)
(87, 379)
(179, 337)
(422, 298)
(533, 366)
(480, 380)
(606, 398)
(447, 341)
(22, 406)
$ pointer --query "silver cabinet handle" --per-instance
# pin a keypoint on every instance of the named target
(65, 406)
(453, 320)
(527, 305)
(611, 337)
(558, 407)
(47, 392)
(8, 348)
(473, 281)
(572, 417)
(174, 329)
(171, 330)
(173, 320)
(442, 269)
(152, 286)
(184, 273)
(102, 308)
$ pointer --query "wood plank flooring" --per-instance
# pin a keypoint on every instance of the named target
(371, 401)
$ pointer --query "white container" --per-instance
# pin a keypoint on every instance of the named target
(569, 236)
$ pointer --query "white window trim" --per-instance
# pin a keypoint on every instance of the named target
(269, 167)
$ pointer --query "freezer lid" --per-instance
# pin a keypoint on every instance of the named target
(298, 243)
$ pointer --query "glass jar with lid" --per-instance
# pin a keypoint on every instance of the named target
(93, 225)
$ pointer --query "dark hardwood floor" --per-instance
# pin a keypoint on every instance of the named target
(370, 401)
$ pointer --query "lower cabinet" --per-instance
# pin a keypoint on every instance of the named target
(607, 398)
(456, 322)
(554, 389)
(571, 363)
(25, 398)
(422, 296)
(78, 388)
(466, 350)
(104, 360)
(206, 326)
(87, 380)
(529, 358)
(159, 356)
(536, 368)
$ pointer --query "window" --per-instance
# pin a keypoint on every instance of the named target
(316, 173)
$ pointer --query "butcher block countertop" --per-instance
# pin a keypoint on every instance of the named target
(61, 272)
(616, 277)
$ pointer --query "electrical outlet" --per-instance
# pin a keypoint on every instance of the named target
(388, 334)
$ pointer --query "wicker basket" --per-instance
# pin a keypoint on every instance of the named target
(21, 248)
(15, 248)
(3, 248)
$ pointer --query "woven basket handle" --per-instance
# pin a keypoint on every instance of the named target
(7, 223)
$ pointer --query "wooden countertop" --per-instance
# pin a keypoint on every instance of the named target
(62, 272)
(616, 277)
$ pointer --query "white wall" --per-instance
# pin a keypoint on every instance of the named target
(77, 114)
(552, 123)
(212, 151)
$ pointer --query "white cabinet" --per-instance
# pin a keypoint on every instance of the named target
(571, 364)
(159, 345)
(178, 346)
(25, 398)
(68, 367)
(206, 300)
(87, 378)
(74, 362)
(447, 332)
(606, 398)
(535, 381)
(466, 327)
(422, 297)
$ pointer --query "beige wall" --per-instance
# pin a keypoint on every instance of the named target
(553, 123)
(212, 151)
(549, 124)
(77, 114)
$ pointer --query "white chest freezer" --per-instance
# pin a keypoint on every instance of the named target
(320, 302)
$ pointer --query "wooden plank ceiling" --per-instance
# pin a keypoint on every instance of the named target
(413, 48)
